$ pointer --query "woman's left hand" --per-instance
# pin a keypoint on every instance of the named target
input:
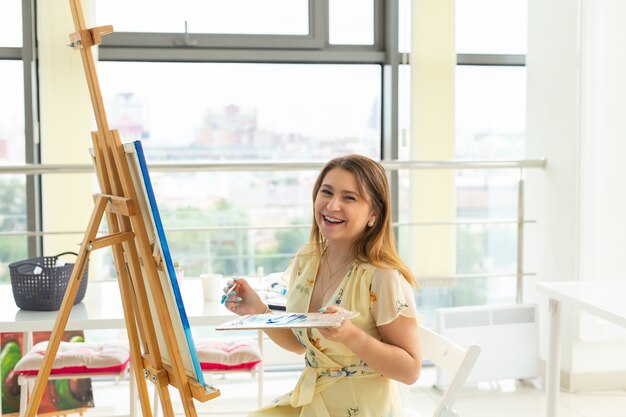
(344, 333)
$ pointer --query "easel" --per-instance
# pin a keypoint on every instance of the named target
(132, 250)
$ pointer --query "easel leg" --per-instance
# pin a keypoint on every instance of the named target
(156, 402)
(66, 307)
(165, 399)
(133, 337)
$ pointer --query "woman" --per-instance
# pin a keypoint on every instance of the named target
(350, 263)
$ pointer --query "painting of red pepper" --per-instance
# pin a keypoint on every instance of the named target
(60, 394)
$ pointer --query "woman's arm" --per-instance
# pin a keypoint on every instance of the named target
(285, 339)
(245, 300)
(396, 356)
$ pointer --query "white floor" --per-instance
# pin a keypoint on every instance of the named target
(497, 399)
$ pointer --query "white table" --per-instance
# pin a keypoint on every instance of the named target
(102, 309)
(604, 299)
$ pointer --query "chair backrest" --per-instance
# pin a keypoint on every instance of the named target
(454, 359)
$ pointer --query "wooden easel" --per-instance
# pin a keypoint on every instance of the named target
(132, 250)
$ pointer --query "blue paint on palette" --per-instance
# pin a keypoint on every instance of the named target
(168, 261)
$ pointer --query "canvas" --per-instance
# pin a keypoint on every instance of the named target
(167, 276)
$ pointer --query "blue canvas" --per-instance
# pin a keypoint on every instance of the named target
(168, 261)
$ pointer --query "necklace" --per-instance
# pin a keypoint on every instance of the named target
(331, 275)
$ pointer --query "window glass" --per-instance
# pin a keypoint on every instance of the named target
(11, 23)
(486, 194)
(242, 220)
(234, 222)
(351, 22)
(491, 26)
(245, 111)
(12, 136)
(465, 292)
(485, 262)
(490, 124)
(486, 249)
(481, 26)
(275, 17)
(490, 112)
(12, 219)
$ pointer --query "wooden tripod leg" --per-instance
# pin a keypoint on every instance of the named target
(133, 337)
(143, 311)
(165, 399)
(66, 307)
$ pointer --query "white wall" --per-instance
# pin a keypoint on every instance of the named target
(576, 66)
(66, 122)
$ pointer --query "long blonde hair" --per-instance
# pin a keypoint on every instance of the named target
(376, 244)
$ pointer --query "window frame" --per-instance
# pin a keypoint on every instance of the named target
(27, 53)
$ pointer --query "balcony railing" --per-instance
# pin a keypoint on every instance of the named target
(519, 220)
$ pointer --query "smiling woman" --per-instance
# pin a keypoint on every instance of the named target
(349, 264)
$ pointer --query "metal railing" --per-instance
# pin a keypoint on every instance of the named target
(35, 169)
(520, 220)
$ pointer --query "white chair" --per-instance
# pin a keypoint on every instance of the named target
(452, 358)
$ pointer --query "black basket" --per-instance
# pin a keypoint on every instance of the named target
(43, 290)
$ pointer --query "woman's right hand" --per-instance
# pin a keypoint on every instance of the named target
(245, 299)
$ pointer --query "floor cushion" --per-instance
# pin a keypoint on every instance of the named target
(236, 354)
(74, 358)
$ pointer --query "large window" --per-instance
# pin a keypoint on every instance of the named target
(489, 113)
(241, 112)
(13, 207)
(279, 103)
(213, 111)
(281, 81)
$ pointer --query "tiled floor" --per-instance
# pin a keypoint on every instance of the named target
(497, 399)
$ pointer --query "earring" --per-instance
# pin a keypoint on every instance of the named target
(370, 223)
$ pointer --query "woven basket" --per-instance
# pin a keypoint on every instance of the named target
(38, 284)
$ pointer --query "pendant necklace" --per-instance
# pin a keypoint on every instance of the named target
(331, 275)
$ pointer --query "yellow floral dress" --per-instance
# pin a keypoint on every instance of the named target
(335, 382)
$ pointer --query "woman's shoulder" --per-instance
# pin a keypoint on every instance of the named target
(385, 274)
(373, 273)
(308, 250)
(305, 254)
(392, 276)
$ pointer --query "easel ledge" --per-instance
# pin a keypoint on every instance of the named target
(136, 257)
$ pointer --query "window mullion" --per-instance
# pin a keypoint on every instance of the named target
(31, 123)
